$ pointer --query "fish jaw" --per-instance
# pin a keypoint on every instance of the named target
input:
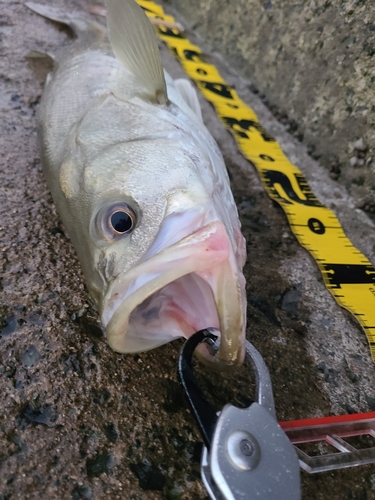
(192, 284)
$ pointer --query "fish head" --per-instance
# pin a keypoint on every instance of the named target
(158, 260)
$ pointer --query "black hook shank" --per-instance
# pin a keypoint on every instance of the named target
(203, 412)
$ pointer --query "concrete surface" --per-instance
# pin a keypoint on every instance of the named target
(80, 421)
(313, 63)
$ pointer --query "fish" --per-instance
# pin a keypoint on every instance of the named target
(141, 187)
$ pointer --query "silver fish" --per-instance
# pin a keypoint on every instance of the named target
(141, 187)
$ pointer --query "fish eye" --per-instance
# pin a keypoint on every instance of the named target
(114, 220)
(122, 221)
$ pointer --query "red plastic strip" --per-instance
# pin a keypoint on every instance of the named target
(309, 422)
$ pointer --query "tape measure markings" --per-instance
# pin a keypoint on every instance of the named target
(347, 273)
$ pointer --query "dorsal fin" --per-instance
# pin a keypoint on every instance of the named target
(135, 45)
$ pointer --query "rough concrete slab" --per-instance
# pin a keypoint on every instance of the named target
(314, 64)
(80, 421)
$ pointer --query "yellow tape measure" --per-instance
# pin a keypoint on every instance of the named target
(347, 273)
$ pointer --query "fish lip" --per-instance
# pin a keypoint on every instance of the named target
(206, 253)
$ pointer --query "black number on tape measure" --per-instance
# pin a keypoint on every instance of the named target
(168, 32)
(266, 158)
(218, 88)
(340, 274)
(201, 71)
(316, 226)
(240, 127)
(193, 55)
(272, 177)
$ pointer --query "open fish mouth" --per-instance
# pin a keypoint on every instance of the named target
(190, 285)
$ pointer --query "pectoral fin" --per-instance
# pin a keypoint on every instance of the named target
(134, 44)
(41, 63)
(189, 95)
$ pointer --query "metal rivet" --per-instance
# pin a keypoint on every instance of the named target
(243, 450)
(246, 448)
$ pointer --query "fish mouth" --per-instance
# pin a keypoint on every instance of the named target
(190, 285)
